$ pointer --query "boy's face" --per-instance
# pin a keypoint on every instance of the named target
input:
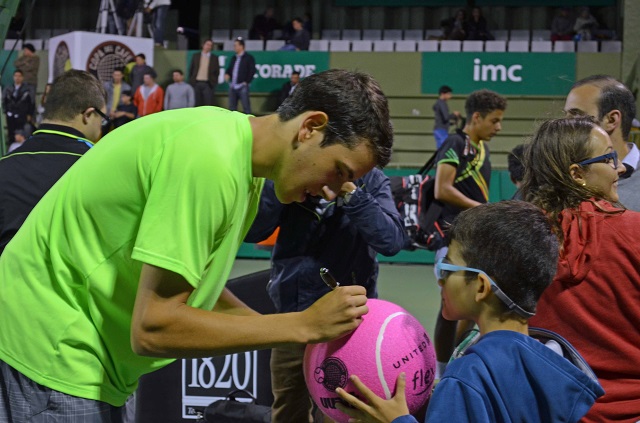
(309, 167)
(487, 127)
(458, 293)
(125, 99)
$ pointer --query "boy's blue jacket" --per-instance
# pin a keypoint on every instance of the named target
(343, 238)
(508, 377)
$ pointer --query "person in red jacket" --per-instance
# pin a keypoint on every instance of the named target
(149, 96)
(593, 302)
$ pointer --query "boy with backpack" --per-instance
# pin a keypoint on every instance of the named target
(463, 174)
(501, 258)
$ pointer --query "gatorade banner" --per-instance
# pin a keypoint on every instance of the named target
(97, 53)
(273, 68)
(506, 73)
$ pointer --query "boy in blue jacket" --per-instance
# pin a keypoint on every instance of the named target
(501, 258)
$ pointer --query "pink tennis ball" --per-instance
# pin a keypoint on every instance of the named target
(388, 341)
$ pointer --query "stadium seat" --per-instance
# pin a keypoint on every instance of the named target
(518, 46)
(339, 45)
(539, 46)
(371, 34)
(610, 46)
(500, 34)
(450, 45)
(413, 34)
(564, 47)
(361, 45)
(587, 46)
(472, 45)
(330, 34)
(519, 35)
(406, 46)
(273, 45)
(428, 45)
(351, 34)
(254, 45)
(383, 45)
(392, 34)
(495, 46)
(541, 35)
(319, 45)
(220, 35)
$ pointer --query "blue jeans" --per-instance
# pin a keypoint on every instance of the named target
(243, 93)
(159, 20)
(440, 135)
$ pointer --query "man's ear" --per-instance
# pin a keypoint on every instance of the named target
(87, 114)
(312, 122)
(475, 117)
(611, 121)
(577, 173)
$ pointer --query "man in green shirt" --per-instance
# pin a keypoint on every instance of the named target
(122, 265)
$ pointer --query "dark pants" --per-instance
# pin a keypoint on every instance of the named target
(22, 400)
(204, 93)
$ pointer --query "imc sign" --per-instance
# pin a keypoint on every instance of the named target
(506, 73)
(205, 380)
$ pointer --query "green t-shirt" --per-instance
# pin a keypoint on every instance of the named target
(174, 190)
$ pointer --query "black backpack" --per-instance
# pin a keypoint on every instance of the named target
(415, 200)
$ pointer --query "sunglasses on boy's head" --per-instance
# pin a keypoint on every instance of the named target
(444, 269)
(610, 158)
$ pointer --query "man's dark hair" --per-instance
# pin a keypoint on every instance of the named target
(484, 102)
(515, 163)
(355, 105)
(614, 95)
(177, 70)
(512, 242)
(445, 89)
(126, 92)
(240, 41)
(295, 73)
(72, 93)
(142, 56)
(29, 47)
(18, 71)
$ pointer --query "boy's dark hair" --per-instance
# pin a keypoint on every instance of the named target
(295, 73)
(513, 243)
(240, 41)
(484, 102)
(142, 56)
(178, 70)
(72, 93)
(445, 89)
(614, 95)
(516, 164)
(355, 105)
(126, 92)
(18, 71)
(29, 47)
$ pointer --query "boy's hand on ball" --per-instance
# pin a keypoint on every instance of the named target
(336, 314)
(376, 409)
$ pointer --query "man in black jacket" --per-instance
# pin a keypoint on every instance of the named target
(18, 104)
(72, 123)
(239, 75)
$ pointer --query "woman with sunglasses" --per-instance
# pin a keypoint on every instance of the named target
(594, 301)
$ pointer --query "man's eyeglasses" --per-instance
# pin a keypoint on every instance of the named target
(443, 270)
(106, 120)
(609, 158)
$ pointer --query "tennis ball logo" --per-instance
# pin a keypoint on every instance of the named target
(107, 57)
(388, 341)
(331, 374)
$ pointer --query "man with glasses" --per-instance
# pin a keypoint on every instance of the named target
(72, 122)
(613, 107)
(506, 375)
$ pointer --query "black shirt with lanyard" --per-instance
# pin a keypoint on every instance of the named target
(473, 170)
(28, 172)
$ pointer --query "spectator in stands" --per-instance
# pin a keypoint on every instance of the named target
(263, 26)
(443, 119)
(126, 111)
(159, 10)
(29, 63)
(139, 70)
(149, 98)
(584, 25)
(562, 25)
(455, 28)
(179, 94)
(300, 39)
(203, 74)
(239, 75)
(18, 104)
(114, 88)
(477, 26)
(288, 87)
